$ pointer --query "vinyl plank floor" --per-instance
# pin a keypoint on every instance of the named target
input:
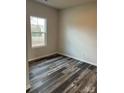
(62, 74)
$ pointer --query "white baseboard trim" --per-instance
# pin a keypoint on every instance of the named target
(77, 58)
(28, 86)
(42, 56)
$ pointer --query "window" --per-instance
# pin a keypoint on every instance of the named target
(38, 31)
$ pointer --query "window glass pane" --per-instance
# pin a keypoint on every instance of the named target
(33, 20)
(42, 24)
(35, 28)
(38, 39)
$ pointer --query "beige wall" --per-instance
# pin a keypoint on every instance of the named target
(36, 9)
(78, 32)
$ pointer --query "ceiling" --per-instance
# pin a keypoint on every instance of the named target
(61, 4)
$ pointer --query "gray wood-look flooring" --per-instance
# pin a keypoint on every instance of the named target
(61, 74)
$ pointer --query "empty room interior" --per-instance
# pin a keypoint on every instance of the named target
(61, 42)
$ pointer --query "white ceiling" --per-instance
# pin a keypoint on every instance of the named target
(61, 4)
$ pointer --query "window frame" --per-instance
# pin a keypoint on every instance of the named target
(46, 36)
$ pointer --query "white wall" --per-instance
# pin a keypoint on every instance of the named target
(37, 9)
(78, 32)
